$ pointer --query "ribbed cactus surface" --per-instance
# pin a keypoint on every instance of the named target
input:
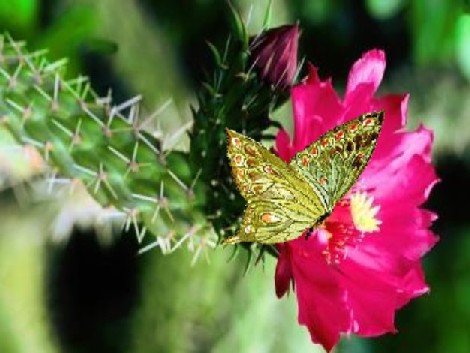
(85, 138)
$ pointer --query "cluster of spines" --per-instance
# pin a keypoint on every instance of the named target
(234, 97)
(84, 138)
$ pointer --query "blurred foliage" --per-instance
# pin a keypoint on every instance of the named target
(107, 300)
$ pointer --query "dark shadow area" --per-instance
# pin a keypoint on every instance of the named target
(91, 292)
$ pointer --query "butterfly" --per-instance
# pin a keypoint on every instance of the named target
(284, 200)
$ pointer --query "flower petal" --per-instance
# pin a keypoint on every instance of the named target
(395, 107)
(284, 146)
(371, 300)
(313, 102)
(321, 299)
(399, 182)
(378, 271)
(283, 275)
(368, 71)
(404, 235)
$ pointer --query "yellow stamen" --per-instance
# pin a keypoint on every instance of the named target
(363, 213)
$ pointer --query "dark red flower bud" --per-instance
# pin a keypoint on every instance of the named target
(274, 55)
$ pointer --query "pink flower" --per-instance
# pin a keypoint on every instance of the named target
(364, 264)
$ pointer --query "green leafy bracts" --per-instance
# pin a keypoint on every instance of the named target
(234, 97)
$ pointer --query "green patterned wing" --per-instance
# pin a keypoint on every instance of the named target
(334, 162)
(281, 204)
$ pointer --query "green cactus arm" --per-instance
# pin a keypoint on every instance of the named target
(84, 137)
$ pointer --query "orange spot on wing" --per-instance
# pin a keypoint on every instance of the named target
(236, 142)
(266, 217)
(305, 160)
(240, 174)
(238, 159)
(339, 135)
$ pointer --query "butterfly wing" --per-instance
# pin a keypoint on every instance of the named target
(280, 202)
(334, 162)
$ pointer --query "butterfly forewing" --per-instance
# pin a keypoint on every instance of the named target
(281, 204)
(333, 163)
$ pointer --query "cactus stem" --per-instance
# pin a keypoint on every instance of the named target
(55, 117)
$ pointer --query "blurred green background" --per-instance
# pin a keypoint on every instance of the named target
(86, 294)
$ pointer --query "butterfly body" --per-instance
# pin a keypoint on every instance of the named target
(283, 200)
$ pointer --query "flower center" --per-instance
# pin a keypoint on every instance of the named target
(364, 214)
(350, 220)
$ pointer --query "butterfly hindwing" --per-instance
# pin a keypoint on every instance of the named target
(334, 162)
(280, 202)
